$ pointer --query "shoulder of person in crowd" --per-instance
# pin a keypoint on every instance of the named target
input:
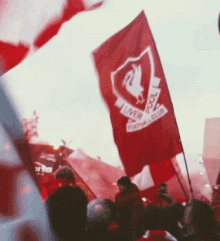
(135, 188)
(202, 235)
(157, 235)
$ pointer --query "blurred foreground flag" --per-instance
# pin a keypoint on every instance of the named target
(29, 24)
(133, 85)
(22, 213)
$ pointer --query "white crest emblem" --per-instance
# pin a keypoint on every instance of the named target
(130, 83)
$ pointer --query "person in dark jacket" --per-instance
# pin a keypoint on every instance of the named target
(130, 207)
(67, 211)
(200, 222)
(156, 224)
(174, 217)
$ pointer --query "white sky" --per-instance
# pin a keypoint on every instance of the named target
(60, 83)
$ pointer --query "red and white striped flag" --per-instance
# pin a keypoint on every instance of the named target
(26, 25)
(166, 171)
(133, 85)
(22, 213)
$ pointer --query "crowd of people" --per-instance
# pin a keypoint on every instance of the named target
(126, 218)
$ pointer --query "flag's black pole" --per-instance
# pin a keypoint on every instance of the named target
(187, 171)
(184, 157)
(190, 184)
(184, 191)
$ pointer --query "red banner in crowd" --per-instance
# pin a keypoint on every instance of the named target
(133, 85)
(165, 171)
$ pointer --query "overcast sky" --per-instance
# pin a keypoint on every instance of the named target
(59, 80)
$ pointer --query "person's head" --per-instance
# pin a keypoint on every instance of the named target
(174, 218)
(101, 224)
(67, 208)
(199, 215)
(98, 213)
(175, 212)
(65, 173)
(155, 218)
(124, 183)
(163, 187)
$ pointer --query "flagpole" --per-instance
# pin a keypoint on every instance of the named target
(184, 156)
(187, 171)
(184, 191)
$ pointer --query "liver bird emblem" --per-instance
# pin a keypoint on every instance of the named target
(132, 83)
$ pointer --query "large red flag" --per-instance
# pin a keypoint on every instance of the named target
(133, 85)
(28, 25)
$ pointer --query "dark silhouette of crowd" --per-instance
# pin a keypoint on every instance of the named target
(126, 219)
